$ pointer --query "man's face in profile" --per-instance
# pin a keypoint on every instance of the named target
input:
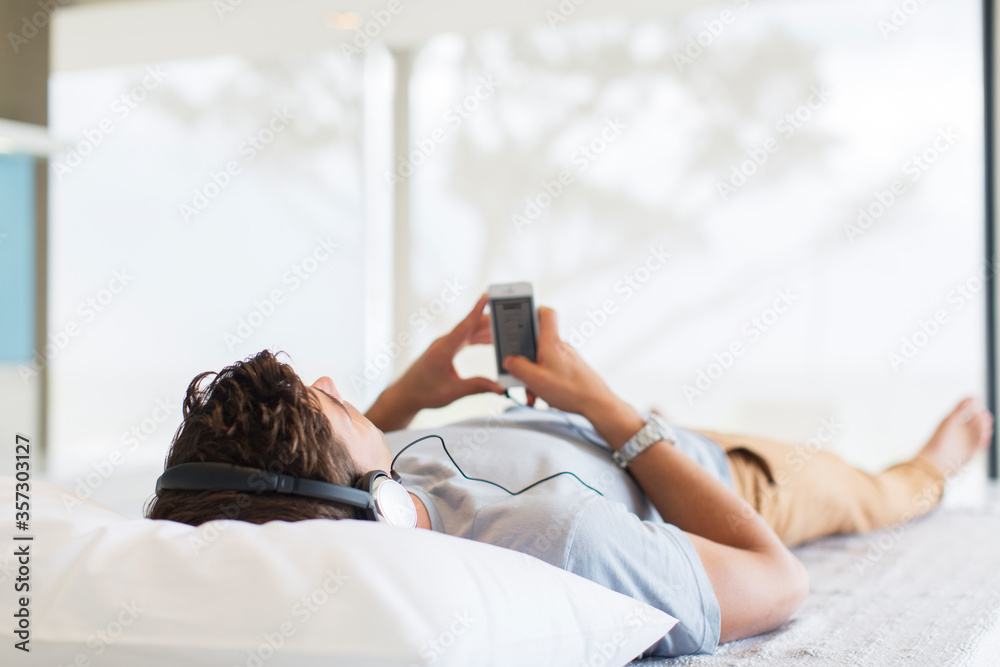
(367, 444)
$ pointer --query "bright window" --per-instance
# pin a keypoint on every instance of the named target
(815, 178)
(210, 208)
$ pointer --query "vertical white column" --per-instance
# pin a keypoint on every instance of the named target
(403, 295)
(376, 158)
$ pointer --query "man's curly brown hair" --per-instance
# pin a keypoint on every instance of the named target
(255, 413)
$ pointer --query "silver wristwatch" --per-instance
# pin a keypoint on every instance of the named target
(654, 430)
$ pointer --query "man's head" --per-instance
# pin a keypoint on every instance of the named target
(258, 413)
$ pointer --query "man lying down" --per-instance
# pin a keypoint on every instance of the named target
(697, 524)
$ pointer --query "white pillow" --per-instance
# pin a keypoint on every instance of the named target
(109, 590)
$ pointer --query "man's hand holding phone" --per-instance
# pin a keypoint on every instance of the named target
(565, 381)
(432, 381)
(559, 375)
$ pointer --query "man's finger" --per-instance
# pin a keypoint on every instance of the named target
(479, 385)
(483, 333)
(468, 325)
(548, 326)
(521, 368)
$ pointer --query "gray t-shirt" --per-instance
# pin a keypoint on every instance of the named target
(617, 540)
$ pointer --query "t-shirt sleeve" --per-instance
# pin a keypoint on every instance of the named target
(651, 562)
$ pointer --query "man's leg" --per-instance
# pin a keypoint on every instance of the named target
(805, 493)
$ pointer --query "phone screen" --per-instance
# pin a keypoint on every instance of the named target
(514, 331)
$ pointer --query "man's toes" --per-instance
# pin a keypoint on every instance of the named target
(987, 421)
(960, 410)
(982, 425)
(981, 421)
(968, 409)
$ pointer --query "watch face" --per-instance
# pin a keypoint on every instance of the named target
(393, 504)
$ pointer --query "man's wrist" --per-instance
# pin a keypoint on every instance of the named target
(655, 430)
(615, 420)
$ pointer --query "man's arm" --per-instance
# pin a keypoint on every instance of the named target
(392, 411)
(757, 581)
(432, 381)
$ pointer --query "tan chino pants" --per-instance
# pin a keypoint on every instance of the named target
(805, 493)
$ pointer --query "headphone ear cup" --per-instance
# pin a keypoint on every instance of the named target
(366, 484)
(390, 503)
(367, 480)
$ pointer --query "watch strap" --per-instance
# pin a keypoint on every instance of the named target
(652, 431)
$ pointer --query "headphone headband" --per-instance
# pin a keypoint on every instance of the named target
(366, 500)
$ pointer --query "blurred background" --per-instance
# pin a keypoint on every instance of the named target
(755, 216)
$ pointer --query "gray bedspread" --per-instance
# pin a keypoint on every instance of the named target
(926, 593)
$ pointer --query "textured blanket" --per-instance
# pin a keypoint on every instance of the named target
(925, 593)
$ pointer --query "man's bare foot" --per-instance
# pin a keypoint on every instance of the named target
(960, 436)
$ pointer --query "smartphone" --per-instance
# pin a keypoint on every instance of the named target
(515, 325)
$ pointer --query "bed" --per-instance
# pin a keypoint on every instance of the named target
(927, 593)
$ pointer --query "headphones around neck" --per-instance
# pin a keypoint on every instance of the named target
(376, 496)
